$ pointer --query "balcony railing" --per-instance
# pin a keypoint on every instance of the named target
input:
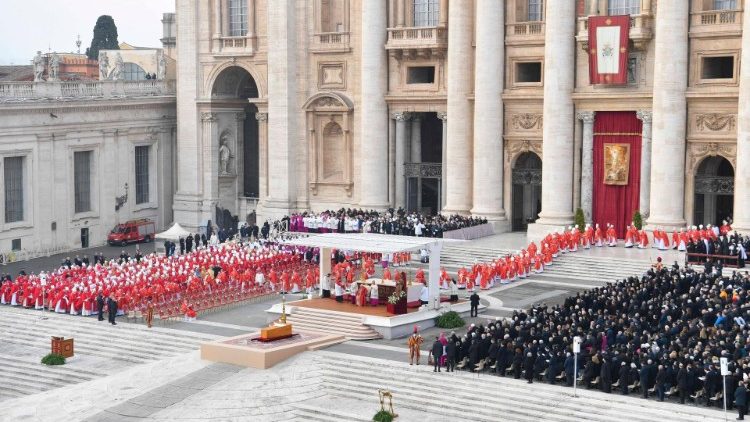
(331, 41)
(242, 46)
(714, 17)
(27, 91)
(525, 28)
(417, 38)
(640, 30)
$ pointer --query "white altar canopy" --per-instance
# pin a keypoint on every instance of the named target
(378, 243)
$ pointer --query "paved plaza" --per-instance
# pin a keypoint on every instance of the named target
(128, 372)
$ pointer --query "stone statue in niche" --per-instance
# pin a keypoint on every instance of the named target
(103, 66)
(225, 154)
(118, 69)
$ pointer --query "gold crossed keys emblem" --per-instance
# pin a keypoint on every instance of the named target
(386, 394)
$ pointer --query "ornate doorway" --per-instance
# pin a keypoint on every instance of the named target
(526, 179)
(713, 191)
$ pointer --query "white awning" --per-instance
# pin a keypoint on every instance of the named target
(174, 233)
(368, 242)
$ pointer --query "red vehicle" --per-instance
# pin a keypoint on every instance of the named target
(134, 231)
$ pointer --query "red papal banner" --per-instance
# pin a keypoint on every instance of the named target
(608, 49)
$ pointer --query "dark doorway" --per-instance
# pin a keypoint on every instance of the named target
(713, 192)
(527, 190)
(85, 237)
(424, 170)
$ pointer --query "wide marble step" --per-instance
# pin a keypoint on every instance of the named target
(412, 380)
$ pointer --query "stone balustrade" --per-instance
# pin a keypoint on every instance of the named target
(430, 37)
(716, 17)
(641, 30)
(525, 28)
(75, 90)
(331, 42)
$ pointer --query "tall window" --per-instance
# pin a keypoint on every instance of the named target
(725, 4)
(133, 72)
(426, 12)
(82, 180)
(623, 7)
(536, 10)
(237, 18)
(13, 189)
(141, 174)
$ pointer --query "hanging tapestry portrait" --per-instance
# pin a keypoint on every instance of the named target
(616, 164)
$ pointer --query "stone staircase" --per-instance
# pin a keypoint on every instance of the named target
(331, 322)
(462, 396)
(584, 265)
(100, 348)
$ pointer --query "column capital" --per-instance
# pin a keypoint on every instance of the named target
(442, 115)
(586, 116)
(261, 117)
(644, 115)
(401, 116)
(208, 117)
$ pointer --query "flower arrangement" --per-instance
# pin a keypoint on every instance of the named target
(395, 297)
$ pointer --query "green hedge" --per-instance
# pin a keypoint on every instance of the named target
(450, 319)
(580, 220)
(53, 359)
(383, 416)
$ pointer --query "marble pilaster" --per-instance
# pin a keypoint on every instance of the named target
(645, 197)
(373, 109)
(402, 120)
(742, 171)
(488, 116)
(670, 115)
(587, 163)
(415, 155)
(459, 148)
(263, 154)
(210, 155)
(443, 116)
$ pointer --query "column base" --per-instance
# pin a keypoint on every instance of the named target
(498, 219)
(537, 231)
(665, 223)
(188, 211)
(462, 210)
(273, 209)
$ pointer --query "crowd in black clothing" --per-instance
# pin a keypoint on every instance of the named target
(734, 245)
(662, 333)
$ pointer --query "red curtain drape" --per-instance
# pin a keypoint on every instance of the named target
(615, 204)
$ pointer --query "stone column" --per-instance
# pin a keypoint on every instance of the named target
(459, 148)
(263, 155)
(443, 19)
(400, 13)
(401, 158)
(250, 18)
(210, 159)
(742, 172)
(488, 111)
(217, 25)
(189, 172)
(443, 116)
(282, 108)
(415, 155)
(593, 8)
(644, 198)
(373, 186)
(559, 119)
(587, 164)
(239, 161)
(670, 115)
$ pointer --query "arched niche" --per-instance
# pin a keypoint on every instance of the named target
(329, 141)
